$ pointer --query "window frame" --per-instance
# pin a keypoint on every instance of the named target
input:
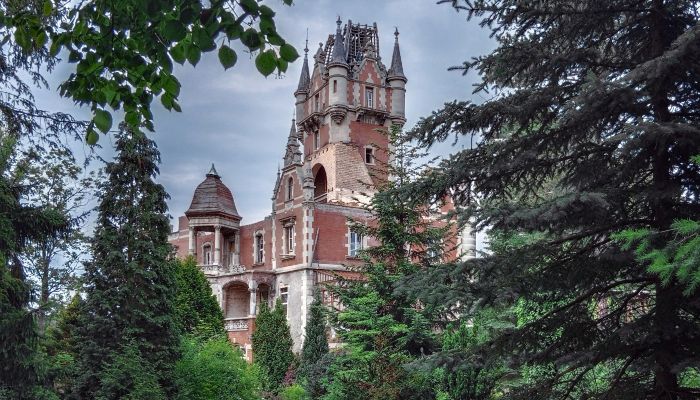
(259, 248)
(369, 151)
(317, 140)
(284, 298)
(290, 189)
(289, 239)
(207, 254)
(369, 96)
(356, 245)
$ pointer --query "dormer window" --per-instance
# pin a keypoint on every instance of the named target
(369, 97)
(290, 189)
(369, 155)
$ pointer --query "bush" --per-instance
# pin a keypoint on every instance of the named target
(214, 369)
(294, 392)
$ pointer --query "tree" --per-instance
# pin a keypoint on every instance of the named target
(54, 179)
(19, 223)
(597, 101)
(196, 308)
(214, 369)
(272, 344)
(315, 347)
(383, 329)
(129, 284)
(315, 340)
(124, 51)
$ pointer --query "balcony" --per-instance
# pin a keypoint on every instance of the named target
(237, 324)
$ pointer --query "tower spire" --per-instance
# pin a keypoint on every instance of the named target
(304, 78)
(338, 56)
(292, 154)
(396, 69)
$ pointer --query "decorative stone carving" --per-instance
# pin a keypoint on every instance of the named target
(236, 325)
(338, 114)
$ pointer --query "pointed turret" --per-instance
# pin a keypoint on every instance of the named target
(338, 55)
(396, 69)
(304, 78)
(292, 154)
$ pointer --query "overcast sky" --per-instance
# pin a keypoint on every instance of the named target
(240, 120)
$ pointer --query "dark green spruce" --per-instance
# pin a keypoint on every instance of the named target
(272, 345)
(591, 127)
(129, 284)
(383, 330)
(315, 348)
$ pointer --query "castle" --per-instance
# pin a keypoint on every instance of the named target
(332, 159)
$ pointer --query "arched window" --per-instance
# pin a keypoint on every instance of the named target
(206, 254)
(321, 183)
(290, 188)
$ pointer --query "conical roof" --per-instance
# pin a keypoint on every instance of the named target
(212, 197)
(338, 55)
(396, 69)
(304, 78)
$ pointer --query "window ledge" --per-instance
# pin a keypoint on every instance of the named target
(257, 264)
(288, 256)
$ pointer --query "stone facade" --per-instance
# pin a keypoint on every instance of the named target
(332, 162)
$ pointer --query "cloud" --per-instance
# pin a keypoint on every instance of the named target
(239, 120)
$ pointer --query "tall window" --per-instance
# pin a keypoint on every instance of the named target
(335, 85)
(317, 103)
(369, 155)
(231, 251)
(259, 248)
(369, 97)
(289, 239)
(317, 140)
(284, 298)
(207, 254)
(290, 188)
(355, 244)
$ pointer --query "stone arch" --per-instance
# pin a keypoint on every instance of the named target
(320, 182)
(236, 300)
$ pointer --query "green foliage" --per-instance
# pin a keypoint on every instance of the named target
(196, 308)
(123, 51)
(678, 260)
(294, 392)
(129, 284)
(315, 340)
(383, 329)
(129, 376)
(19, 223)
(272, 345)
(214, 369)
(590, 130)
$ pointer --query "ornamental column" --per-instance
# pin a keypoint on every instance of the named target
(253, 300)
(191, 244)
(217, 244)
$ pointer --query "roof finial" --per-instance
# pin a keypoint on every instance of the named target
(396, 33)
(212, 172)
(338, 22)
(306, 46)
(338, 55)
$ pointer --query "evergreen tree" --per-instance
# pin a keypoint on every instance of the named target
(383, 330)
(196, 308)
(272, 344)
(315, 340)
(315, 347)
(597, 101)
(130, 282)
(19, 223)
